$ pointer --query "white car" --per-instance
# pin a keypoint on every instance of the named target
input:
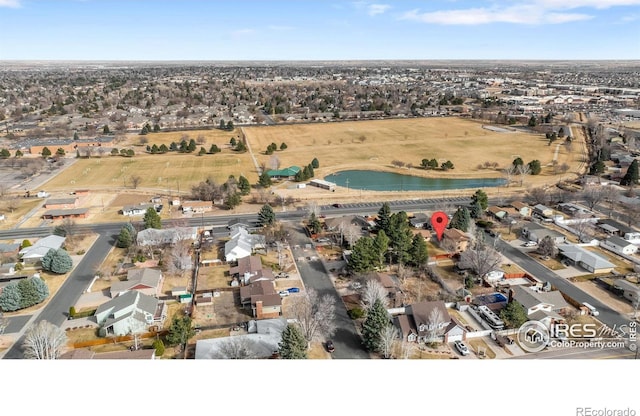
(461, 347)
(530, 244)
(283, 293)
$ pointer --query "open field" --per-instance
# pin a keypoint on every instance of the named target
(375, 144)
(218, 137)
(21, 207)
(169, 172)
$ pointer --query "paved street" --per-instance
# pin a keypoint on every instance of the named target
(579, 354)
(346, 339)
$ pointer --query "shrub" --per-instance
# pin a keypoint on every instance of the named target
(356, 313)
(158, 345)
(484, 224)
(72, 311)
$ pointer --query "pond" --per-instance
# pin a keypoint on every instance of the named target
(389, 181)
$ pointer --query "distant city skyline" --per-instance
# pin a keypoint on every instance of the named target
(164, 30)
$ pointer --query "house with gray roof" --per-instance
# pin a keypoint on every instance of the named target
(586, 259)
(40, 248)
(242, 243)
(167, 236)
(629, 290)
(131, 312)
(147, 281)
(540, 305)
(619, 245)
(536, 232)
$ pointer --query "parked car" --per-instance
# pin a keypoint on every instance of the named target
(461, 347)
(530, 244)
(330, 346)
(293, 290)
(283, 293)
(337, 205)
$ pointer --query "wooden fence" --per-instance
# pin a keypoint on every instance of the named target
(115, 340)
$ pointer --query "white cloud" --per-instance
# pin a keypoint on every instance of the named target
(10, 3)
(532, 13)
(375, 9)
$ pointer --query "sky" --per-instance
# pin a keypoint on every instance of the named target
(318, 30)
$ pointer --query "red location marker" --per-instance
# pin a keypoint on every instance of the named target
(439, 221)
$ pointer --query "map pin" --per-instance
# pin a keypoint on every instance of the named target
(439, 221)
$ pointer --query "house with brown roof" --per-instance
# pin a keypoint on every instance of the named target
(428, 321)
(61, 203)
(147, 281)
(456, 238)
(393, 291)
(262, 298)
(59, 214)
(540, 305)
(523, 209)
(249, 270)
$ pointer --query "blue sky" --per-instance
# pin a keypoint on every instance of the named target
(318, 30)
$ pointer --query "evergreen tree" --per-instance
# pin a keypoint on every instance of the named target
(19, 153)
(314, 224)
(364, 256)
(46, 152)
(152, 219)
(202, 151)
(283, 146)
(381, 245)
(401, 236)
(76, 136)
(243, 185)
(535, 167)
(191, 147)
(180, 330)
(461, 219)
(41, 288)
(481, 198)
(514, 314)
(476, 210)
(315, 163)
(377, 319)
(517, 162)
(105, 129)
(631, 177)
(264, 180)
(154, 149)
(214, 149)
(419, 252)
(310, 170)
(124, 238)
(382, 221)
(10, 298)
(158, 345)
(293, 345)
(266, 216)
(28, 294)
(163, 148)
(4, 154)
(232, 200)
(57, 261)
(156, 128)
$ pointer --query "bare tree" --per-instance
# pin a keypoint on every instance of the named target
(481, 259)
(4, 323)
(179, 258)
(435, 324)
(351, 233)
(611, 195)
(274, 162)
(547, 247)
(508, 173)
(403, 272)
(593, 195)
(523, 170)
(371, 291)
(236, 348)
(632, 212)
(388, 338)
(404, 349)
(537, 196)
(314, 315)
(583, 226)
(44, 341)
(313, 208)
(135, 181)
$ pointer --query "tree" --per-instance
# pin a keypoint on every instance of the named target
(598, 168)
(283, 146)
(377, 319)
(632, 175)
(57, 261)
(384, 217)
(28, 294)
(135, 181)
(419, 254)
(105, 129)
(19, 153)
(151, 219)
(315, 163)
(517, 162)
(4, 154)
(158, 345)
(532, 121)
(547, 247)
(476, 210)
(10, 299)
(381, 245)
(239, 348)
(372, 291)
(202, 151)
(314, 314)
(192, 146)
(447, 165)
(180, 330)
(214, 149)
(481, 198)
(481, 259)
(264, 180)
(25, 244)
(461, 219)
(314, 224)
(401, 236)
(514, 314)
(243, 185)
(144, 131)
(44, 341)
(124, 238)
(266, 216)
(232, 200)
(40, 287)
(46, 152)
(388, 338)
(523, 171)
(363, 257)
(534, 167)
(293, 346)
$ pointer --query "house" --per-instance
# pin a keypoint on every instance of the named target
(574, 210)
(542, 211)
(9, 250)
(156, 237)
(394, 293)
(147, 281)
(536, 232)
(61, 203)
(242, 244)
(419, 220)
(59, 214)
(286, 173)
(37, 251)
(497, 212)
(249, 270)
(523, 209)
(630, 291)
(131, 312)
(133, 210)
(263, 299)
(262, 341)
(456, 239)
(586, 259)
(545, 307)
(633, 238)
(619, 245)
(196, 207)
(431, 318)
(319, 183)
(8, 269)
(612, 227)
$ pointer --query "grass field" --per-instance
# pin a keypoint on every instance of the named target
(220, 138)
(375, 144)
